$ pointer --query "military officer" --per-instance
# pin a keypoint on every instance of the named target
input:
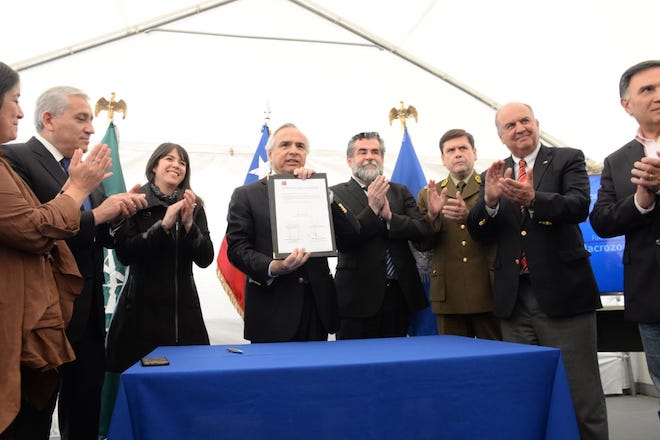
(461, 272)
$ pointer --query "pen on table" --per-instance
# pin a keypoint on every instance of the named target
(234, 350)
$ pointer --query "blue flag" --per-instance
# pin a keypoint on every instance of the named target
(259, 167)
(408, 171)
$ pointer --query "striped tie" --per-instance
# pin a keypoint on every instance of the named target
(390, 273)
(522, 177)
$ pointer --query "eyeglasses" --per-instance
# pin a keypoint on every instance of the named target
(366, 135)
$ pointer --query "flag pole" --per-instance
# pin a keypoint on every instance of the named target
(408, 171)
(114, 272)
(232, 279)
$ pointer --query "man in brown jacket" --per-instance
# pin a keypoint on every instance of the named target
(461, 272)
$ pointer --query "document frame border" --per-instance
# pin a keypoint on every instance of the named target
(273, 215)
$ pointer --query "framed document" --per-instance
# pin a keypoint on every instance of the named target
(300, 215)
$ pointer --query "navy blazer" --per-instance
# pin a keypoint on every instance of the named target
(615, 214)
(360, 276)
(45, 176)
(559, 267)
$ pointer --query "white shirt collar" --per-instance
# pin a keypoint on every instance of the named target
(529, 159)
(651, 146)
(54, 151)
(360, 182)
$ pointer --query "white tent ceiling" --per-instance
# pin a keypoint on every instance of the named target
(563, 57)
(205, 81)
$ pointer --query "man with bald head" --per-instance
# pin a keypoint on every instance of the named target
(545, 292)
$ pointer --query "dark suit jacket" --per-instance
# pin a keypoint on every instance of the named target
(272, 307)
(360, 275)
(560, 272)
(45, 176)
(615, 214)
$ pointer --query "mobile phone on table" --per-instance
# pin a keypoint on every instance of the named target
(154, 361)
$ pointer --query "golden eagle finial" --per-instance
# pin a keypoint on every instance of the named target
(111, 106)
(403, 113)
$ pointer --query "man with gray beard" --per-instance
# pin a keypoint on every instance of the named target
(377, 281)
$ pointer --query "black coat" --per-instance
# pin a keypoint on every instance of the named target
(273, 309)
(615, 214)
(559, 267)
(160, 270)
(361, 268)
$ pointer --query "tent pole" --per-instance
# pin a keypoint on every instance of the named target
(310, 6)
(399, 52)
(128, 31)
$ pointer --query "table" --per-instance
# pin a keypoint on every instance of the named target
(419, 387)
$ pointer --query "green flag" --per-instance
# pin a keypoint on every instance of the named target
(112, 268)
(114, 273)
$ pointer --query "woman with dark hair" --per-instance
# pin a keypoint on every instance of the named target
(39, 278)
(159, 304)
(10, 112)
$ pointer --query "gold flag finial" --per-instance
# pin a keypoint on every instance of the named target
(111, 107)
(403, 113)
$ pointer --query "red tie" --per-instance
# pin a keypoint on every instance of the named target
(522, 177)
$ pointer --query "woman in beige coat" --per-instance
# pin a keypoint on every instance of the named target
(38, 275)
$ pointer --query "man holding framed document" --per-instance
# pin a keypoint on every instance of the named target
(300, 215)
(289, 291)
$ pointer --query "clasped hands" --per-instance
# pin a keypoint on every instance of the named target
(86, 175)
(185, 208)
(377, 198)
(500, 183)
(451, 208)
(646, 175)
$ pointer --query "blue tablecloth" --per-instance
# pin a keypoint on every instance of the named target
(431, 387)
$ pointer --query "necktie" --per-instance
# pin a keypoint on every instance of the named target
(522, 177)
(390, 273)
(460, 186)
(65, 162)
